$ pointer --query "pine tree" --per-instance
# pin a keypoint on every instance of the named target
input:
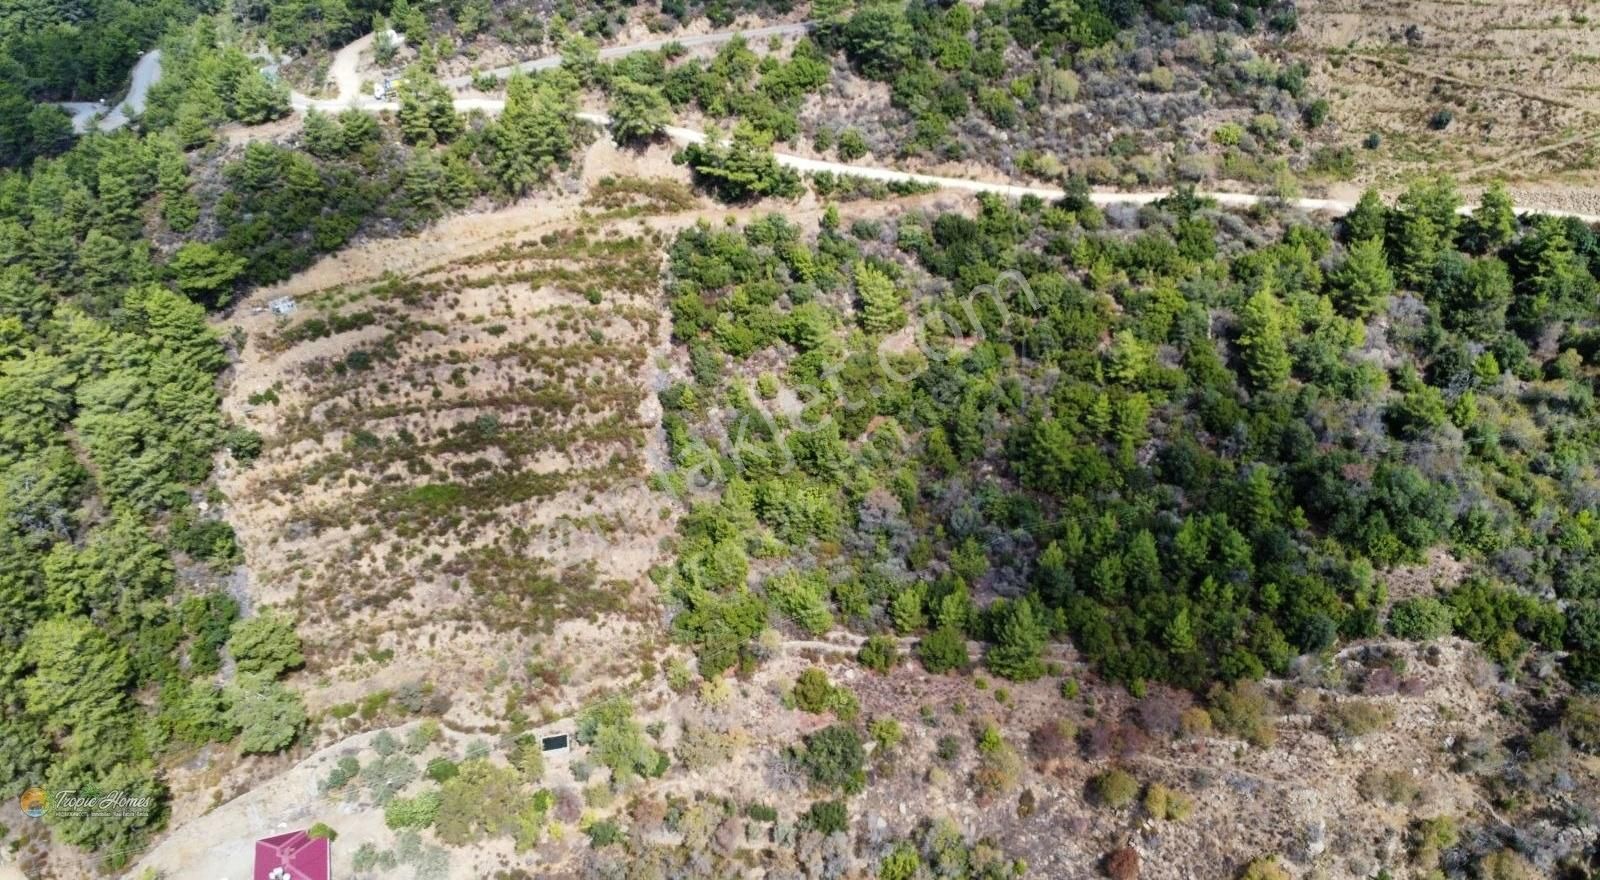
(1422, 226)
(321, 136)
(1493, 223)
(1367, 219)
(1363, 282)
(638, 112)
(532, 136)
(880, 301)
(1019, 640)
(269, 716)
(22, 298)
(427, 112)
(1261, 342)
(205, 273)
(259, 99)
(1128, 359)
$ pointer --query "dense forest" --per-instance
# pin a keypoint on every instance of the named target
(1194, 443)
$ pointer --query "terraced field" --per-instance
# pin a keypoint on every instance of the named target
(452, 483)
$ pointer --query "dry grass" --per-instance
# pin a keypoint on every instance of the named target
(1521, 80)
(453, 473)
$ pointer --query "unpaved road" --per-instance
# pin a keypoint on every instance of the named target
(345, 74)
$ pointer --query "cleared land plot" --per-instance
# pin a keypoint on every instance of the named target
(452, 486)
(1477, 89)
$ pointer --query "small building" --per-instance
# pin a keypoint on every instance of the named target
(283, 305)
(293, 856)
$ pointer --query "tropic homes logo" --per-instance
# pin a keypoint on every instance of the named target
(36, 802)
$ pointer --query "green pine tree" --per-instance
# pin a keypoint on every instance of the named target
(880, 301)
(1261, 342)
(1363, 282)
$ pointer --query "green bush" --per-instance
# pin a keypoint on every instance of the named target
(943, 650)
(441, 769)
(812, 691)
(879, 653)
(1421, 618)
(833, 758)
(1114, 788)
(826, 817)
(604, 833)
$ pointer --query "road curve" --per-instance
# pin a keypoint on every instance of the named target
(146, 72)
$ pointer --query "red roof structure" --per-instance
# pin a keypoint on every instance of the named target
(293, 856)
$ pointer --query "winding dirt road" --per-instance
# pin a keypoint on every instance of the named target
(344, 72)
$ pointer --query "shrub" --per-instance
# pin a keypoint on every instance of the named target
(415, 812)
(852, 145)
(1430, 837)
(1114, 788)
(604, 833)
(1315, 113)
(442, 769)
(1162, 802)
(244, 443)
(762, 813)
(902, 863)
(999, 768)
(1264, 868)
(322, 831)
(1160, 711)
(1506, 864)
(1393, 787)
(826, 817)
(1052, 741)
(879, 654)
(943, 650)
(813, 691)
(1348, 719)
(1122, 863)
(1420, 619)
(1581, 719)
(1195, 721)
(833, 758)
(702, 746)
(1243, 710)
(1161, 79)
(885, 732)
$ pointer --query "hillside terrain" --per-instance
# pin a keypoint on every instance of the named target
(963, 441)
